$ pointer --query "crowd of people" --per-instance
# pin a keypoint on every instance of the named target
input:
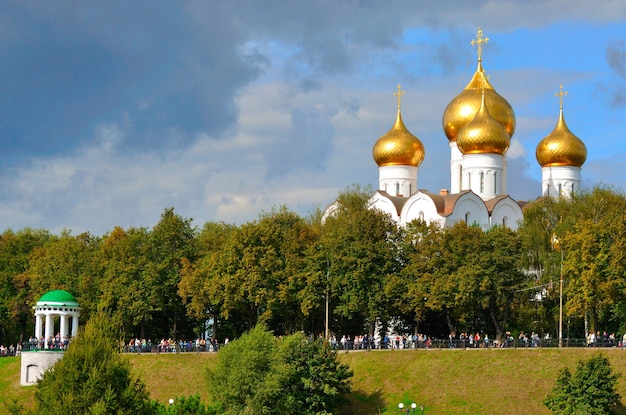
(56, 342)
(346, 342)
(11, 350)
(137, 345)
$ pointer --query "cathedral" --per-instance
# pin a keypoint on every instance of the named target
(478, 124)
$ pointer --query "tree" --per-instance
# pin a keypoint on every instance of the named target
(123, 259)
(170, 243)
(16, 296)
(254, 274)
(260, 374)
(590, 391)
(360, 245)
(92, 377)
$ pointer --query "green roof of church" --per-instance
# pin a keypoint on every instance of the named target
(58, 297)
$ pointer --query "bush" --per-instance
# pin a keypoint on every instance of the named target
(92, 377)
(590, 391)
(190, 405)
(258, 374)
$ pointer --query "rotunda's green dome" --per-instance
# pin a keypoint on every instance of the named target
(58, 297)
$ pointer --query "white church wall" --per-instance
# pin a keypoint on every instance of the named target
(471, 209)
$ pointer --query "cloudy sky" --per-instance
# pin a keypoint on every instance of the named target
(112, 111)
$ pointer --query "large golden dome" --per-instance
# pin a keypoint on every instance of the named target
(561, 147)
(464, 106)
(483, 134)
(398, 146)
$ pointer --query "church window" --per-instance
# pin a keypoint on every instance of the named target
(421, 216)
(495, 183)
(397, 189)
(482, 182)
(560, 188)
(460, 177)
(467, 218)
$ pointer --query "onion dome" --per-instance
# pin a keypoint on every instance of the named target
(561, 147)
(483, 134)
(398, 146)
(464, 106)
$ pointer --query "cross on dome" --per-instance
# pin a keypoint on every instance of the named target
(399, 95)
(560, 94)
(478, 42)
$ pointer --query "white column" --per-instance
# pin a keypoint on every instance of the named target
(49, 329)
(63, 325)
(37, 325)
(74, 324)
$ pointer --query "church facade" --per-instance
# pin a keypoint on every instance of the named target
(478, 124)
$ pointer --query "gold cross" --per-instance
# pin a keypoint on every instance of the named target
(399, 94)
(478, 42)
(560, 94)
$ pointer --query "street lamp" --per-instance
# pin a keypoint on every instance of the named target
(326, 330)
(556, 244)
(410, 409)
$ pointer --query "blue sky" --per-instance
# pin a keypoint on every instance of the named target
(112, 111)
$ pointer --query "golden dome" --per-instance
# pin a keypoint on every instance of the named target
(398, 147)
(483, 134)
(464, 106)
(561, 147)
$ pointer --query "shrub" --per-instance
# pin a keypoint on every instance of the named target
(258, 374)
(590, 391)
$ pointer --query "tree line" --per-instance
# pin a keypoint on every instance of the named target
(284, 271)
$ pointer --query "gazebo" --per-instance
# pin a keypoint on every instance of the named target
(53, 304)
(57, 303)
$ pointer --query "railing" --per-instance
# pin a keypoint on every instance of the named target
(191, 347)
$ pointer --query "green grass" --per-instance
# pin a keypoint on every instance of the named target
(481, 381)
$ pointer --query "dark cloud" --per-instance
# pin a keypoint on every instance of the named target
(67, 69)
(616, 58)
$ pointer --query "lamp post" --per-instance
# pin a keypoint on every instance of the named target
(410, 409)
(556, 244)
(326, 331)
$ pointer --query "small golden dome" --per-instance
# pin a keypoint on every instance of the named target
(464, 106)
(561, 147)
(398, 147)
(483, 134)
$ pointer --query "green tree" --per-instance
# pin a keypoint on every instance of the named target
(361, 247)
(589, 391)
(256, 275)
(592, 238)
(92, 377)
(123, 287)
(170, 242)
(198, 287)
(260, 374)
(15, 293)
(67, 262)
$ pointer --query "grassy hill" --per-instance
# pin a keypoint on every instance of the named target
(483, 381)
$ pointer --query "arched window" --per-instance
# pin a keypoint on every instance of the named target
(495, 183)
(460, 177)
(397, 189)
(421, 215)
(467, 218)
(482, 182)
